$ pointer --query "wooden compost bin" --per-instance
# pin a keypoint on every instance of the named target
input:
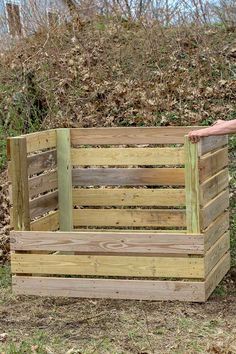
(142, 213)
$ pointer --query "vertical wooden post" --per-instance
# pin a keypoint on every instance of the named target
(192, 187)
(64, 179)
(19, 178)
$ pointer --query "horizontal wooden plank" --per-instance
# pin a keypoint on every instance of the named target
(110, 288)
(216, 252)
(99, 242)
(43, 183)
(128, 176)
(217, 274)
(216, 230)
(214, 208)
(127, 156)
(41, 162)
(128, 197)
(213, 186)
(128, 266)
(49, 222)
(43, 204)
(127, 135)
(157, 230)
(210, 164)
(41, 140)
(210, 143)
(129, 217)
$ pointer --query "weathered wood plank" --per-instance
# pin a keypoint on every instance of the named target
(128, 197)
(128, 176)
(110, 288)
(214, 208)
(213, 186)
(46, 223)
(43, 183)
(210, 143)
(20, 188)
(41, 162)
(41, 140)
(64, 179)
(210, 164)
(129, 217)
(128, 266)
(99, 242)
(127, 156)
(43, 204)
(192, 187)
(143, 135)
(216, 230)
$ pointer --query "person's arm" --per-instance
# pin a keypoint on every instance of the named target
(221, 128)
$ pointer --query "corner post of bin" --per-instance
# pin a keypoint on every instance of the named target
(192, 186)
(18, 168)
(64, 179)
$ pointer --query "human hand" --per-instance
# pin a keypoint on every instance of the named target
(195, 135)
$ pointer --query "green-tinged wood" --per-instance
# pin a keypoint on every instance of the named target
(192, 187)
(20, 190)
(64, 180)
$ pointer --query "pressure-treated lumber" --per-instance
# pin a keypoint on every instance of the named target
(128, 266)
(41, 162)
(48, 222)
(210, 164)
(213, 186)
(128, 197)
(64, 180)
(216, 252)
(111, 288)
(20, 188)
(128, 176)
(41, 141)
(110, 242)
(211, 143)
(216, 229)
(192, 187)
(42, 205)
(43, 183)
(127, 156)
(129, 217)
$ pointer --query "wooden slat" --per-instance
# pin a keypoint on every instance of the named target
(41, 162)
(127, 156)
(128, 197)
(43, 204)
(157, 230)
(99, 242)
(110, 288)
(43, 183)
(41, 140)
(128, 266)
(64, 179)
(128, 176)
(214, 208)
(20, 188)
(129, 217)
(210, 164)
(211, 143)
(216, 252)
(213, 186)
(217, 274)
(216, 230)
(144, 135)
(46, 223)
(192, 187)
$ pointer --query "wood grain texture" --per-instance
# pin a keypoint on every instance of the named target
(43, 204)
(128, 176)
(216, 229)
(110, 288)
(49, 222)
(129, 217)
(128, 266)
(144, 135)
(192, 187)
(43, 183)
(214, 208)
(128, 197)
(20, 187)
(210, 164)
(41, 140)
(213, 186)
(211, 143)
(99, 242)
(41, 162)
(64, 179)
(127, 156)
(217, 274)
